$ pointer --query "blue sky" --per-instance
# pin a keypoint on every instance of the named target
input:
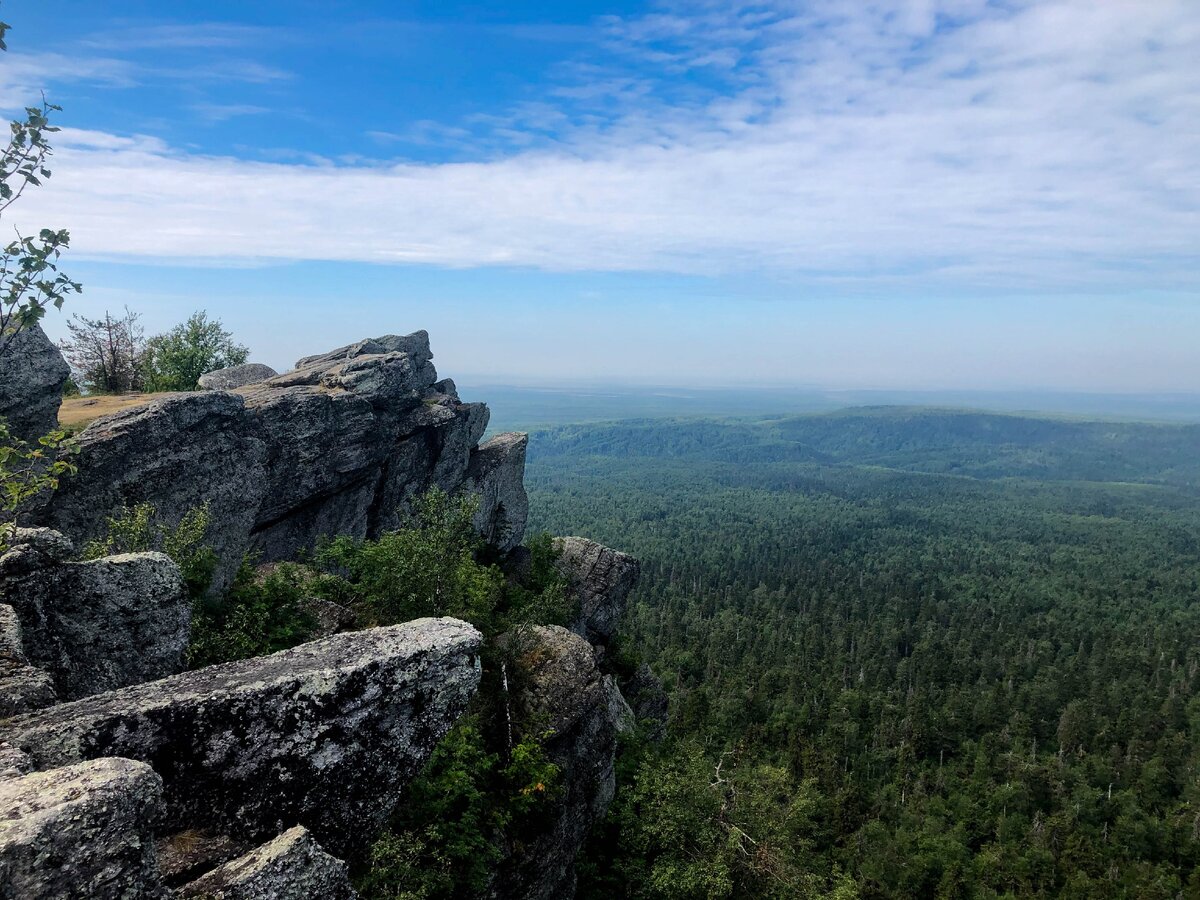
(887, 193)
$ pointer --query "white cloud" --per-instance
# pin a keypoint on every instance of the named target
(223, 112)
(953, 142)
(23, 76)
(199, 35)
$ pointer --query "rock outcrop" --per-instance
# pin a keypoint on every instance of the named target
(563, 691)
(496, 475)
(600, 579)
(80, 831)
(236, 377)
(340, 445)
(291, 867)
(323, 735)
(32, 375)
(94, 626)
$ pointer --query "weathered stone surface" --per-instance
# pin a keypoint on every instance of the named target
(80, 831)
(340, 445)
(415, 345)
(99, 625)
(236, 377)
(600, 579)
(497, 475)
(291, 867)
(561, 688)
(619, 709)
(323, 735)
(32, 375)
(22, 687)
(35, 547)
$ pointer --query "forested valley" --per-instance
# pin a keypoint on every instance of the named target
(910, 653)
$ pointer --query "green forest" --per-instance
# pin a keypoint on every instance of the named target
(910, 653)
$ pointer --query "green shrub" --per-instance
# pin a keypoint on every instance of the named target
(27, 471)
(404, 866)
(442, 842)
(426, 568)
(260, 614)
(542, 598)
(137, 529)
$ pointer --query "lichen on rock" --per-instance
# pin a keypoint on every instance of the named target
(323, 735)
(80, 831)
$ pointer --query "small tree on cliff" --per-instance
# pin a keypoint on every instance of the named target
(30, 283)
(174, 361)
(106, 354)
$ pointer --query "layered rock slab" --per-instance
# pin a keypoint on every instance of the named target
(80, 831)
(291, 867)
(496, 474)
(322, 735)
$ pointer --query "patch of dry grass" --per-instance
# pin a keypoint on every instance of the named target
(76, 412)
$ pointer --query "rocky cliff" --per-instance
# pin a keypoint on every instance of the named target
(123, 776)
(339, 445)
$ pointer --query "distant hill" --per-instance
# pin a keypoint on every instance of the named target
(943, 441)
(525, 407)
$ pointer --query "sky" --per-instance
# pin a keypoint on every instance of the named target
(909, 194)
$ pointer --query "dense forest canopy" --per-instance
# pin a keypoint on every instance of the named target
(968, 643)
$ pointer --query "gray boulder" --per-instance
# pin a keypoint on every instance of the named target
(32, 375)
(328, 617)
(600, 579)
(497, 475)
(80, 831)
(291, 867)
(619, 710)
(324, 735)
(95, 626)
(236, 376)
(560, 688)
(178, 453)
